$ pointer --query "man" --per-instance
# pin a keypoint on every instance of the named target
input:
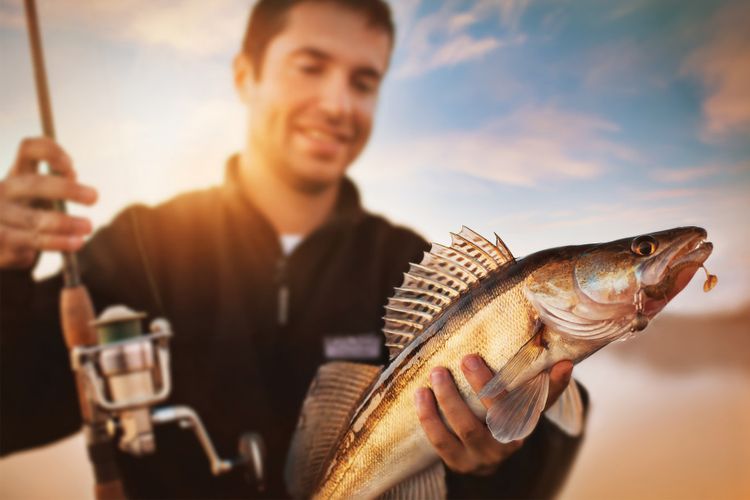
(262, 278)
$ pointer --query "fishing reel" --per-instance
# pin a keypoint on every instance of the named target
(128, 373)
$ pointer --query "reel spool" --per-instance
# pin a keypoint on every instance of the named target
(128, 373)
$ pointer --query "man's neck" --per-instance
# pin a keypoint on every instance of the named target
(289, 210)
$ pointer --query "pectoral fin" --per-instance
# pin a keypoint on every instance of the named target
(515, 414)
(430, 483)
(525, 356)
(567, 412)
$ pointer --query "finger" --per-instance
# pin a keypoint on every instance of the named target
(446, 444)
(559, 377)
(477, 373)
(19, 241)
(33, 150)
(50, 187)
(49, 221)
(17, 258)
(472, 432)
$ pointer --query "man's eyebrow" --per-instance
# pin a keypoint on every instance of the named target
(312, 52)
(365, 70)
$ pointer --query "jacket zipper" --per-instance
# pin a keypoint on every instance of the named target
(282, 305)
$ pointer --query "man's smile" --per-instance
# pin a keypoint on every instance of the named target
(323, 140)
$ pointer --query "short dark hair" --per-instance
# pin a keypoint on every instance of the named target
(268, 18)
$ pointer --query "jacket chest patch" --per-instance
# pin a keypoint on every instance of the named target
(360, 346)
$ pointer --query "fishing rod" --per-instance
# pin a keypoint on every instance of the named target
(76, 309)
(121, 372)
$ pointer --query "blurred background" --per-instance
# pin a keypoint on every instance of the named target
(548, 122)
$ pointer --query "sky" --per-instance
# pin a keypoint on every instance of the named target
(548, 122)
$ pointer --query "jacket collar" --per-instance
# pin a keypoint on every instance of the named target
(347, 210)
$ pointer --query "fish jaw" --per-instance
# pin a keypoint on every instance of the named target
(686, 245)
(663, 278)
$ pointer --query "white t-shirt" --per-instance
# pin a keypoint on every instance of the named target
(289, 242)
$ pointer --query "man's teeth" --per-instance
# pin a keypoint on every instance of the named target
(321, 135)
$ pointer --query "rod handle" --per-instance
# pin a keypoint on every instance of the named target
(111, 490)
(76, 314)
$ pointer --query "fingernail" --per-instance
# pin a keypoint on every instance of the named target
(420, 395)
(439, 375)
(472, 363)
(88, 193)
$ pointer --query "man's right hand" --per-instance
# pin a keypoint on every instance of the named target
(25, 229)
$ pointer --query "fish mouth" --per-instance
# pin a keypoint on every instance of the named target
(669, 273)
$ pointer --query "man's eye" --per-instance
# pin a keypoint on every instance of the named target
(364, 86)
(311, 69)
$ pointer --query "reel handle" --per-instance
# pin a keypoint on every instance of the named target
(252, 453)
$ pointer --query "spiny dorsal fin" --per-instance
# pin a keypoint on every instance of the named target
(460, 259)
(503, 248)
(433, 284)
(499, 253)
(331, 399)
(464, 241)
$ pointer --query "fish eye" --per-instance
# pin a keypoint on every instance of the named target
(644, 245)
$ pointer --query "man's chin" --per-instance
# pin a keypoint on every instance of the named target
(316, 175)
(313, 186)
(314, 183)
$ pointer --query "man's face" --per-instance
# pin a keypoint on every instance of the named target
(311, 110)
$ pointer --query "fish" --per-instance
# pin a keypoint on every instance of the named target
(358, 435)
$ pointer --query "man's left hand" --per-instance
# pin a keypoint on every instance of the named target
(471, 449)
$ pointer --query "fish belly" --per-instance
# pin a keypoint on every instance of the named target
(392, 446)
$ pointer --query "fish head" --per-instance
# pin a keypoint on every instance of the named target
(620, 285)
(647, 271)
(679, 254)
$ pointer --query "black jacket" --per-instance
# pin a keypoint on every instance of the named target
(250, 327)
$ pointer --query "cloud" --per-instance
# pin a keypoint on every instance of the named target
(444, 38)
(723, 66)
(463, 48)
(404, 12)
(666, 194)
(626, 66)
(195, 28)
(683, 175)
(527, 148)
(625, 9)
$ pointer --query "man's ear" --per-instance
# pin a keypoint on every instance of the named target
(243, 76)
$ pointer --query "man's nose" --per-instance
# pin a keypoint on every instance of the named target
(336, 99)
